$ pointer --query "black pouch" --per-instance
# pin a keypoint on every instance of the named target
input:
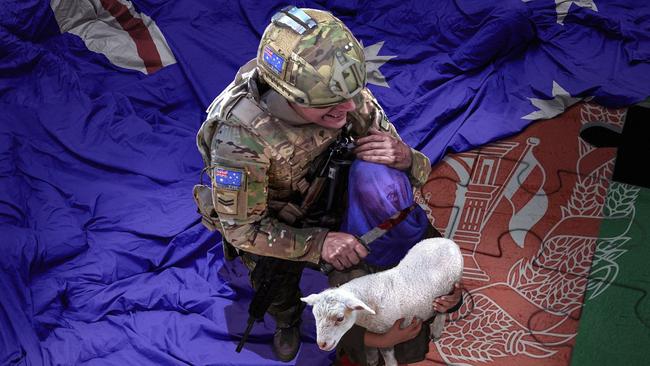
(229, 251)
(203, 198)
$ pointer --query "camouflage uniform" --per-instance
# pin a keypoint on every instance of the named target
(257, 150)
(273, 155)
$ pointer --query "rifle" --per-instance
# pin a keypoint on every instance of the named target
(270, 274)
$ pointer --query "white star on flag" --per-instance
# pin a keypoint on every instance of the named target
(562, 7)
(549, 108)
(374, 62)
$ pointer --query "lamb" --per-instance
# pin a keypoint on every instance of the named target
(376, 301)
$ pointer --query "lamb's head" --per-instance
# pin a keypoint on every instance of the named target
(335, 311)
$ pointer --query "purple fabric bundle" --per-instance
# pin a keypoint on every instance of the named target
(376, 192)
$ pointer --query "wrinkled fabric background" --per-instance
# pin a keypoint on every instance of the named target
(103, 257)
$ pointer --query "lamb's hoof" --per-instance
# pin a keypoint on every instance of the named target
(436, 327)
(434, 338)
(372, 356)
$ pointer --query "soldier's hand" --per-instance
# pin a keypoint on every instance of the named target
(443, 303)
(342, 250)
(395, 335)
(383, 148)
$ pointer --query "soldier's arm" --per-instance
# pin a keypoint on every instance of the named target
(240, 189)
(369, 111)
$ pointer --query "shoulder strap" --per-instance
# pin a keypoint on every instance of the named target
(259, 122)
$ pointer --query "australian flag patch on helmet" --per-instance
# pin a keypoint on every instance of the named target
(228, 178)
(275, 61)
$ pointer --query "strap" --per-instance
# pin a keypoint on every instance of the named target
(294, 18)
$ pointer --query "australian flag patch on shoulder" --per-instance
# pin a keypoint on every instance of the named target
(229, 178)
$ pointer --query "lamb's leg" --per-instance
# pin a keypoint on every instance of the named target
(389, 356)
(437, 326)
(372, 356)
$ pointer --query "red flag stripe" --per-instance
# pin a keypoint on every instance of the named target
(139, 33)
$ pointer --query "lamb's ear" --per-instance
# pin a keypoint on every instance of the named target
(356, 304)
(311, 299)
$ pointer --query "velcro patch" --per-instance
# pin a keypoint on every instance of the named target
(275, 61)
(228, 178)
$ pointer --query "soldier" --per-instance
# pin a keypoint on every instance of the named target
(260, 143)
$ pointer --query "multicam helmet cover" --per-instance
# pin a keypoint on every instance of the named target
(311, 58)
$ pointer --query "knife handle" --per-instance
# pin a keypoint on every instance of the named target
(363, 242)
(326, 268)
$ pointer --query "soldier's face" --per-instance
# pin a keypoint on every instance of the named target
(328, 117)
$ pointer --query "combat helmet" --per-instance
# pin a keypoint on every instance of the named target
(311, 58)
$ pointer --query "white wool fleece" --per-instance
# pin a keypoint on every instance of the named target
(428, 271)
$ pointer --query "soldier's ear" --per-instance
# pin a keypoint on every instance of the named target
(311, 299)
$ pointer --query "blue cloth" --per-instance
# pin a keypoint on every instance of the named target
(104, 259)
(375, 193)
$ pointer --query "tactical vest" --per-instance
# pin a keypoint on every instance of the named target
(294, 148)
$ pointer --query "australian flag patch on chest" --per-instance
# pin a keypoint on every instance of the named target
(228, 178)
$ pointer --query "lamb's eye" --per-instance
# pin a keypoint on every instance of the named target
(339, 319)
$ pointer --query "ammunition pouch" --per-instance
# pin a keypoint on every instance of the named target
(203, 198)
(209, 218)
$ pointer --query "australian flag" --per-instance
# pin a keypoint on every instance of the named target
(273, 59)
(227, 178)
(104, 259)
